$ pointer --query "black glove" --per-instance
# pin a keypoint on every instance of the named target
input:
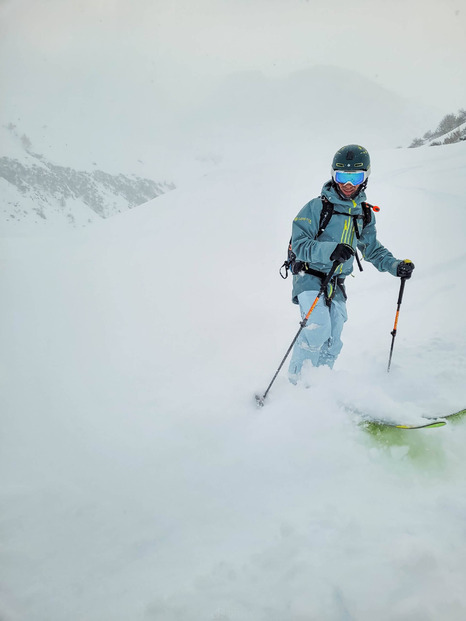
(342, 253)
(405, 268)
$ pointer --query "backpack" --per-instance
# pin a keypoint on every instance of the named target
(328, 209)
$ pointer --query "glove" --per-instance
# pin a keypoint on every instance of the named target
(342, 253)
(405, 268)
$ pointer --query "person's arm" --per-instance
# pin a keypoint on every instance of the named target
(374, 252)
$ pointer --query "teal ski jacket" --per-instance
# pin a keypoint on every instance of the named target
(316, 252)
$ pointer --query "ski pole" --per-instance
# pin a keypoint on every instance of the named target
(393, 333)
(261, 400)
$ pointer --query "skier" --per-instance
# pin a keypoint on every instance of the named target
(350, 227)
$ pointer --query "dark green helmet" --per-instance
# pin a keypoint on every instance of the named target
(352, 157)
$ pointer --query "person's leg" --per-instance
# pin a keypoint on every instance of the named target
(316, 333)
(332, 347)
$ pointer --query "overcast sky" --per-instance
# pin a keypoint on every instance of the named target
(416, 47)
(120, 50)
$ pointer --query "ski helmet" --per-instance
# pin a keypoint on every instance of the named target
(351, 159)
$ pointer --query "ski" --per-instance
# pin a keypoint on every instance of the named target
(374, 423)
(429, 424)
(453, 415)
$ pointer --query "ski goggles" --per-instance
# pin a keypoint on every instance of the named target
(355, 178)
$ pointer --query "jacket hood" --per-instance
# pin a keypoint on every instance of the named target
(331, 194)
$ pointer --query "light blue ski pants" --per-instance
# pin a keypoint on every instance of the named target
(320, 340)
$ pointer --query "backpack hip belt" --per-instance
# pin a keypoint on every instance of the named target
(337, 281)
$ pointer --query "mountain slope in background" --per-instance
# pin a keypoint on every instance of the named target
(37, 193)
(245, 117)
(187, 132)
(140, 482)
(320, 104)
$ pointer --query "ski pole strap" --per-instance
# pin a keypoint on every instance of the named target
(358, 260)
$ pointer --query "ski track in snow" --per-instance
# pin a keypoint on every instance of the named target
(139, 481)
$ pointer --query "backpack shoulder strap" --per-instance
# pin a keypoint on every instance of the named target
(366, 218)
(366, 213)
(325, 215)
(297, 266)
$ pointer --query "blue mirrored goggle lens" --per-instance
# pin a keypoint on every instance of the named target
(355, 178)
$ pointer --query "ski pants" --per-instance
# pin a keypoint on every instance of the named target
(320, 340)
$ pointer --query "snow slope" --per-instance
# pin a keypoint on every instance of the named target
(139, 481)
(36, 193)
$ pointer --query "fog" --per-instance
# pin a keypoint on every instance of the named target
(116, 81)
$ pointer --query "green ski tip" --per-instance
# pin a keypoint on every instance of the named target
(374, 423)
(380, 424)
(438, 423)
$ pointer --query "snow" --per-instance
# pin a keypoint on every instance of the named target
(139, 480)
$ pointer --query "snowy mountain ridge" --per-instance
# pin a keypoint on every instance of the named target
(188, 127)
(35, 191)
